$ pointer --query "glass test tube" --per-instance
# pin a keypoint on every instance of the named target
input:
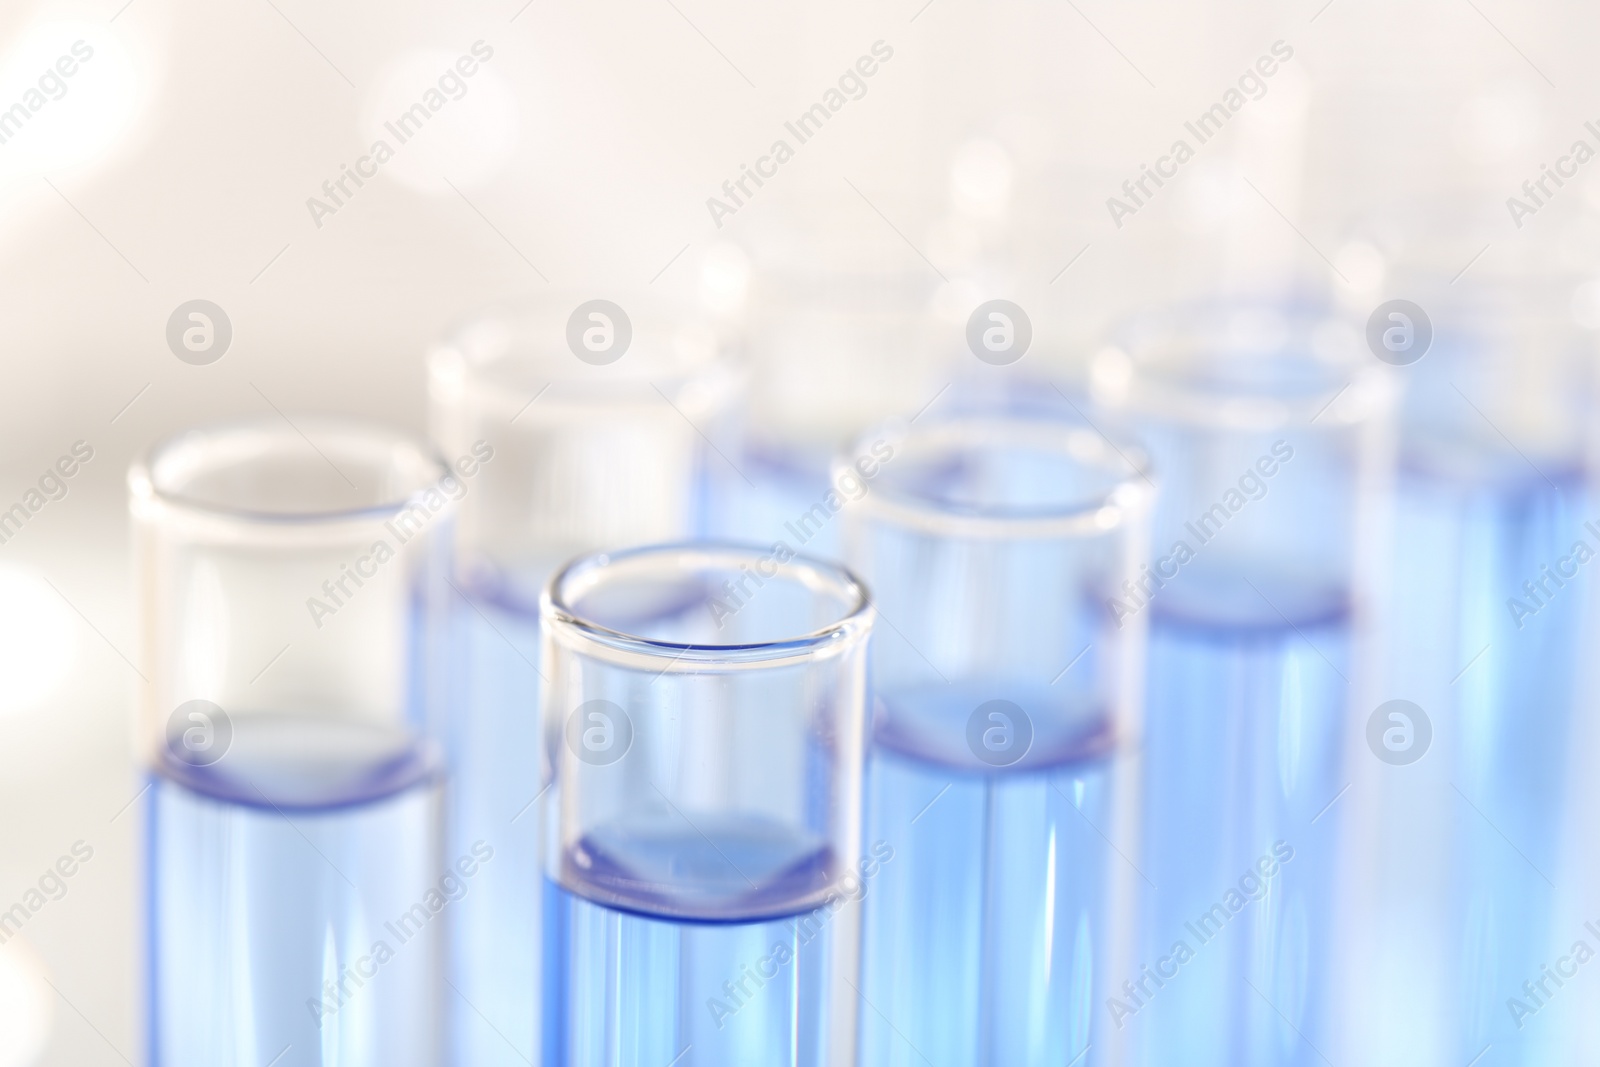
(1005, 694)
(290, 591)
(704, 715)
(830, 351)
(1478, 892)
(579, 456)
(1271, 438)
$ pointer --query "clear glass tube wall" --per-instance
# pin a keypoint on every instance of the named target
(705, 721)
(1479, 849)
(1006, 697)
(1269, 425)
(291, 584)
(585, 455)
(830, 351)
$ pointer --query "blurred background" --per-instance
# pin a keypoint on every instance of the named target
(197, 151)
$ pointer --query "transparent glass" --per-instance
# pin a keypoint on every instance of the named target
(1006, 696)
(831, 351)
(705, 720)
(291, 592)
(588, 455)
(576, 457)
(1486, 624)
(1271, 427)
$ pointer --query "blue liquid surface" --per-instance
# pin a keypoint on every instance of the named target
(1245, 723)
(757, 977)
(281, 868)
(497, 769)
(987, 935)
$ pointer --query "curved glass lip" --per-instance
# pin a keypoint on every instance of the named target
(462, 363)
(144, 483)
(1152, 382)
(854, 624)
(1129, 498)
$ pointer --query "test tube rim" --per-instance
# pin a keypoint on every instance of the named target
(1364, 397)
(1130, 497)
(564, 624)
(458, 368)
(1141, 379)
(146, 487)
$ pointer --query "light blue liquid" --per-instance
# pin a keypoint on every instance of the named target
(1245, 727)
(273, 875)
(495, 765)
(497, 768)
(987, 935)
(644, 973)
(786, 502)
(1489, 812)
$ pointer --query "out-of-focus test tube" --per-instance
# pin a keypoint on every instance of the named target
(1476, 881)
(572, 448)
(291, 591)
(705, 725)
(1005, 695)
(1270, 436)
(830, 351)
